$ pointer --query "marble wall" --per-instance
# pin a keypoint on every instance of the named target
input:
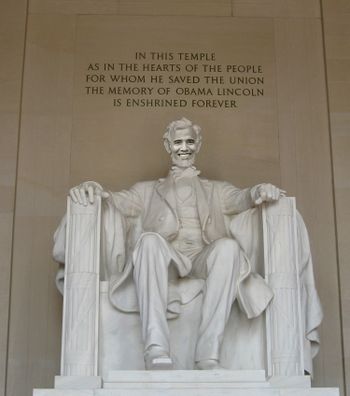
(57, 148)
(336, 15)
(12, 32)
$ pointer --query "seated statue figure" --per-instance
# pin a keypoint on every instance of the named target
(183, 231)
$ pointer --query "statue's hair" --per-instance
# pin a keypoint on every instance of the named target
(182, 124)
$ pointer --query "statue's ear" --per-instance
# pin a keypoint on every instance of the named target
(167, 145)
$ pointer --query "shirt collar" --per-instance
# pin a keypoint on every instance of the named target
(179, 173)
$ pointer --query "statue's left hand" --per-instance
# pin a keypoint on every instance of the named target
(266, 192)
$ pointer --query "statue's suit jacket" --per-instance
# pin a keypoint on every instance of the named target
(151, 207)
(155, 203)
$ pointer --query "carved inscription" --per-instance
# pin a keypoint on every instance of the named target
(174, 79)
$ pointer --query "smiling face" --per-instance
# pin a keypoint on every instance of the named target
(183, 147)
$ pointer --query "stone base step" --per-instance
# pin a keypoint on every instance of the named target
(185, 383)
(195, 391)
(178, 379)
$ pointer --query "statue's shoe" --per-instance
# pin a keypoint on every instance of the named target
(157, 359)
(209, 364)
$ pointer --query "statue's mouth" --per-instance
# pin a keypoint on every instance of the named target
(184, 155)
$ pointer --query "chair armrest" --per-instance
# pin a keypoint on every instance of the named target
(81, 290)
(284, 328)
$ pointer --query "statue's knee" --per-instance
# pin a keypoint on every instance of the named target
(227, 245)
(150, 252)
(150, 240)
(225, 259)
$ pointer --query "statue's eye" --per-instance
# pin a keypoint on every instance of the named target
(177, 141)
(190, 141)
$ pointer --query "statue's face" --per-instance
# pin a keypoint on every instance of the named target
(183, 147)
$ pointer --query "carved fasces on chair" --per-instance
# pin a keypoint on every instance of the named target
(81, 290)
(283, 316)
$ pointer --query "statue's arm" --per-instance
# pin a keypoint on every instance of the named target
(235, 200)
(129, 202)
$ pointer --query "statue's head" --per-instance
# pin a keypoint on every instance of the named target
(182, 140)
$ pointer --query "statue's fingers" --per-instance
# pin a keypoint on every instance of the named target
(258, 201)
(91, 194)
(73, 195)
(104, 194)
(275, 193)
(263, 195)
(82, 195)
(77, 194)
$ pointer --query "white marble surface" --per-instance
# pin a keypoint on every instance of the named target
(191, 392)
(120, 341)
(248, 341)
(188, 338)
(284, 330)
(195, 383)
(78, 382)
(182, 379)
(190, 389)
(81, 290)
(301, 381)
(187, 376)
(183, 222)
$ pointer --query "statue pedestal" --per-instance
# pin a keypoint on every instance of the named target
(195, 383)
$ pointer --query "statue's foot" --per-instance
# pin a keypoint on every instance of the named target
(157, 359)
(209, 364)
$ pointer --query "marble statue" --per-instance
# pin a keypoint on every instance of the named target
(183, 230)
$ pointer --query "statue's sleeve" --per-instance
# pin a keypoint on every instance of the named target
(113, 240)
(235, 200)
(310, 303)
(59, 250)
(129, 202)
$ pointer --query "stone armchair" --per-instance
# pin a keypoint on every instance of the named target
(98, 339)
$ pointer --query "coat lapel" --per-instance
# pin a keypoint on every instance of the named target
(204, 193)
(166, 189)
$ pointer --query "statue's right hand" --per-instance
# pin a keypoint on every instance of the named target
(85, 193)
